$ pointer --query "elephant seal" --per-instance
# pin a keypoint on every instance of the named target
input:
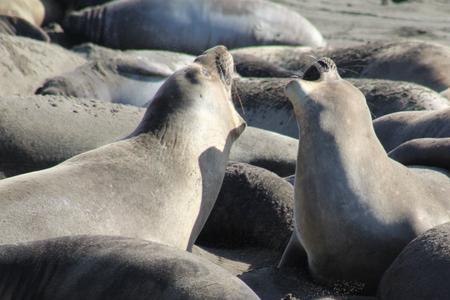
(429, 152)
(32, 11)
(21, 27)
(125, 188)
(265, 149)
(38, 132)
(420, 62)
(422, 269)
(355, 208)
(129, 78)
(395, 129)
(110, 267)
(233, 23)
(261, 198)
(26, 63)
(263, 104)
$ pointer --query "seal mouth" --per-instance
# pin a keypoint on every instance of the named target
(317, 68)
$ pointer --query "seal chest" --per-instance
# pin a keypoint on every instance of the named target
(355, 208)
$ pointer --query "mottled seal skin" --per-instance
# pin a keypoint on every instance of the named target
(266, 149)
(128, 78)
(424, 63)
(30, 141)
(21, 27)
(110, 267)
(263, 104)
(426, 152)
(26, 63)
(233, 23)
(395, 129)
(123, 188)
(422, 269)
(254, 209)
(355, 208)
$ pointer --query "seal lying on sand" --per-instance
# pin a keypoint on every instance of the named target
(424, 63)
(109, 267)
(263, 103)
(429, 152)
(26, 63)
(196, 24)
(422, 270)
(30, 141)
(355, 208)
(127, 78)
(17, 26)
(159, 184)
(395, 129)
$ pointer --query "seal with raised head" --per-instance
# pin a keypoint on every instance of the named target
(355, 208)
(421, 62)
(234, 23)
(158, 184)
(111, 267)
(263, 103)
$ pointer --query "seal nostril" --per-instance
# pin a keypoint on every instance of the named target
(321, 65)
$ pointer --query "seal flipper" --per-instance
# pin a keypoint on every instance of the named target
(294, 255)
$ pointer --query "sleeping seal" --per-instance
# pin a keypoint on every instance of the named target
(196, 24)
(114, 268)
(127, 78)
(420, 62)
(355, 208)
(395, 129)
(431, 152)
(158, 184)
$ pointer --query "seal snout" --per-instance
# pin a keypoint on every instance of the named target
(321, 69)
(218, 61)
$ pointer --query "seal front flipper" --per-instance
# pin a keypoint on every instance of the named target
(294, 255)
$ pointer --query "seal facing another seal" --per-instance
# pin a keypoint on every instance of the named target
(355, 208)
(128, 188)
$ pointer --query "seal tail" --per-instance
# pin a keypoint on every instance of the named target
(88, 23)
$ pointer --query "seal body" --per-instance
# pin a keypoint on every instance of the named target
(395, 129)
(110, 267)
(26, 63)
(21, 27)
(30, 141)
(33, 11)
(263, 103)
(125, 188)
(197, 24)
(355, 208)
(432, 152)
(128, 78)
(422, 268)
(420, 62)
